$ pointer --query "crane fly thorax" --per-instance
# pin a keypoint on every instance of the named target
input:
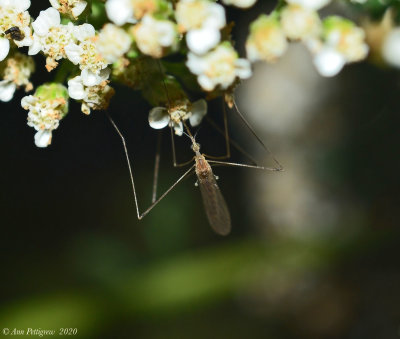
(203, 168)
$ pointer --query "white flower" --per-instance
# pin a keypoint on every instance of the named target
(310, 4)
(240, 3)
(16, 73)
(72, 8)
(202, 20)
(266, 40)
(343, 43)
(152, 36)
(112, 42)
(84, 53)
(92, 97)
(120, 12)
(391, 47)
(300, 22)
(46, 108)
(14, 14)
(220, 67)
(160, 117)
(51, 37)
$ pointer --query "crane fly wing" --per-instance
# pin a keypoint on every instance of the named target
(215, 205)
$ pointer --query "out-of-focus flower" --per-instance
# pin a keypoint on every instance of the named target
(202, 20)
(15, 72)
(14, 16)
(343, 42)
(391, 47)
(84, 53)
(152, 36)
(300, 22)
(46, 108)
(121, 12)
(72, 8)
(219, 67)
(92, 97)
(311, 4)
(266, 40)
(240, 3)
(112, 42)
(160, 117)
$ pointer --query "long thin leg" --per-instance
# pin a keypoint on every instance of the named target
(254, 133)
(156, 167)
(140, 216)
(231, 141)
(174, 152)
(226, 136)
(223, 163)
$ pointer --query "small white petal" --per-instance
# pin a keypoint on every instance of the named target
(216, 17)
(89, 78)
(4, 48)
(178, 128)
(43, 138)
(166, 33)
(74, 53)
(20, 5)
(119, 11)
(158, 117)
(46, 19)
(79, 8)
(7, 90)
(205, 82)
(329, 62)
(55, 3)
(75, 88)
(82, 32)
(36, 46)
(243, 68)
(202, 40)
(199, 110)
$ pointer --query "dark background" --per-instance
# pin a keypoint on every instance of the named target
(73, 253)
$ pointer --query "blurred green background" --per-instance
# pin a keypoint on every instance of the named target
(312, 252)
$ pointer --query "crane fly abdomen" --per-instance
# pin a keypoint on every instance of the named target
(214, 203)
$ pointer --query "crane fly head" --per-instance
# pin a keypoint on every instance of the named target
(195, 146)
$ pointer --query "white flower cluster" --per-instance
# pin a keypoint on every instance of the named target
(15, 72)
(46, 108)
(333, 42)
(14, 25)
(136, 34)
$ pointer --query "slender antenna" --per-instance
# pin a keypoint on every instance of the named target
(255, 135)
(163, 80)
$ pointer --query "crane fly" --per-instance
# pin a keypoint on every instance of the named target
(214, 203)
